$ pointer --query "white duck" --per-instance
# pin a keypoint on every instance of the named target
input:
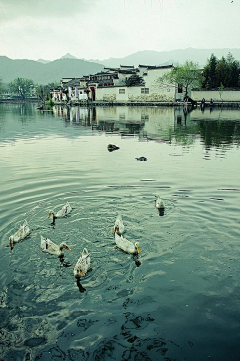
(66, 209)
(22, 233)
(83, 264)
(125, 245)
(159, 203)
(53, 248)
(118, 226)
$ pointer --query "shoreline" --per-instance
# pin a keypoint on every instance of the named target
(226, 104)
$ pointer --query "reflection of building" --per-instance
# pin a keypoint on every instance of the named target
(109, 85)
(150, 122)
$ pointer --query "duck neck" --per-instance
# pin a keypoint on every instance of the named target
(54, 218)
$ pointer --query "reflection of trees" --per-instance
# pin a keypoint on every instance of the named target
(182, 125)
(183, 135)
(122, 128)
(106, 126)
(132, 128)
(25, 109)
(219, 132)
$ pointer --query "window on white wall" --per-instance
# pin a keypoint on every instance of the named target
(121, 91)
(144, 90)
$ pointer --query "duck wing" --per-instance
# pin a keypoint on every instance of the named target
(66, 209)
(83, 264)
(124, 244)
(119, 224)
(25, 229)
(48, 246)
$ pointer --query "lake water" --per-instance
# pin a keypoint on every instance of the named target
(181, 300)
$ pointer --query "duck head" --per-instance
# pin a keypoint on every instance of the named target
(11, 242)
(78, 272)
(81, 272)
(63, 245)
(50, 214)
(137, 247)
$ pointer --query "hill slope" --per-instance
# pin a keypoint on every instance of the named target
(41, 73)
(150, 57)
(44, 72)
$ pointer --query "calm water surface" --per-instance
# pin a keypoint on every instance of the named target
(182, 301)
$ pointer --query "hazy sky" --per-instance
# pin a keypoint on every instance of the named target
(100, 29)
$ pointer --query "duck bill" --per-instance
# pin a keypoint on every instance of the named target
(138, 250)
(68, 248)
(82, 273)
(49, 214)
(11, 245)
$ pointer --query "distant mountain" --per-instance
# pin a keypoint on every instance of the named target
(50, 72)
(44, 71)
(43, 61)
(150, 57)
(68, 56)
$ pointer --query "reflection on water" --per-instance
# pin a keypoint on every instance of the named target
(179, 299)
(182, 124)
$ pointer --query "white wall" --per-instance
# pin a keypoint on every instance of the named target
(227, 95)
(151, 81)
(156, 92)
(134, 94)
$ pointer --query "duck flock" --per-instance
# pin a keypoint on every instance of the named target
(83, 264)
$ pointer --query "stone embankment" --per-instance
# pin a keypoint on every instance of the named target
(89, 103)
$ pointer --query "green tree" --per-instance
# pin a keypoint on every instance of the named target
(1, 86)
(222, 73)
(209, 73)
(187, 75)
(43, 91)
(233, 69)
(134, 79)
(22, 87)
(225, 71)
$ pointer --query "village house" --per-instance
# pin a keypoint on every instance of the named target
(109, 85)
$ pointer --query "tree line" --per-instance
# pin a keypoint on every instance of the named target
(224, 72)
(217, 74)
(25, 88)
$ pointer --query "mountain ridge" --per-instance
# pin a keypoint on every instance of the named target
(153, 57)
(44, 71)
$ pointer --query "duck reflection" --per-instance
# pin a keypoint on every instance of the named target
(80, 286)
(160, 205)
(161, 212)
(136, 260)
(63, 262)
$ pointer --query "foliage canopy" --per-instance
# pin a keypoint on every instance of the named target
(134, 79)
(22, 87)
(225, 72)
(187, 76)
(43, 91)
